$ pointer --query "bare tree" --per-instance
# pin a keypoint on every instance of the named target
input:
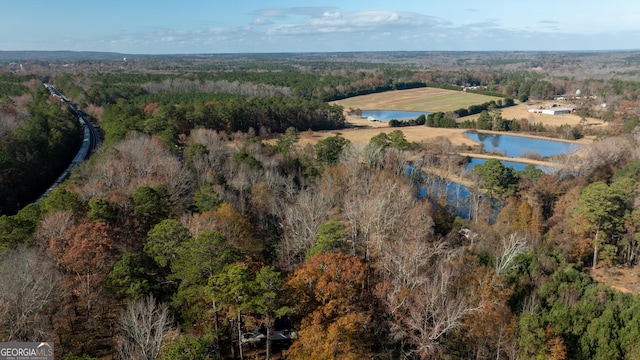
(52, 226)
(28, 288)
(300, 225)
(136, 161)
(589, 159)
(144, 326)
(436, 307)
(512, 246)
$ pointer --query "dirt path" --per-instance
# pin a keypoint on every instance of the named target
(506, 158)
(625, 279)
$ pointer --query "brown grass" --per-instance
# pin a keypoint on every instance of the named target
(360, 131)
(421, 99)
(625, 279)
(521, 111)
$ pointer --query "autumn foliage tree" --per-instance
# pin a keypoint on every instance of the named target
(84, 257)
(237, 229)
(489, 332)
(329, 292)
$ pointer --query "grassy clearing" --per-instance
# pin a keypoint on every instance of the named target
(422, 99)
(360, 131)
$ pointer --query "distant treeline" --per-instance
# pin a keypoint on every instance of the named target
(107, 88)
(375, 89)
(477, 109)
(459, 88)
(448, 120)
(420, 120)
(223, 113)
(443, 86)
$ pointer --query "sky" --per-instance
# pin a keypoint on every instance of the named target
(260, 26)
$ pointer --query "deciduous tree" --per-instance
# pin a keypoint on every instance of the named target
(84, 257)
(29, 289)
(329, 292)
(143, 326)
(237, 229)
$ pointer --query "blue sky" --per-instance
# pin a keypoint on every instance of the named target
(232, 26)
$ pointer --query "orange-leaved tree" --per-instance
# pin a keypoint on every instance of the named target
(329, 292)
(84, 256)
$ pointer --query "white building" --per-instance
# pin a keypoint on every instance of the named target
(552, 111)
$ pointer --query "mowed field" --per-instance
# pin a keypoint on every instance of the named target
(421, 99)
(360, 131)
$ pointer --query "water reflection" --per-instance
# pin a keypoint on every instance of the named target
(386, 115)
(517, 146)
(464, 202)
(459, 199)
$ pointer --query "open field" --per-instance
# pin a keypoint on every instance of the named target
(521, 111)
(421, 99)
(412, 133)
(432, 100)
(359, 131)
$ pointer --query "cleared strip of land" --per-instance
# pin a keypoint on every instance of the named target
(506, 158)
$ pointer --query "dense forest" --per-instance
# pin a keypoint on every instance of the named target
(204, 228)
(39, 138)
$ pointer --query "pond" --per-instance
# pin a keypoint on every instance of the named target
(459, 197)
(386, 115)
(517, 146)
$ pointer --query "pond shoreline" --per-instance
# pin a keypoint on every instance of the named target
(584, 140)
(512, 159)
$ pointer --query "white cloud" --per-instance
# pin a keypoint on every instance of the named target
(354, 22)
(261, 21)
(333, 29)
(328, 14)
(282, 13)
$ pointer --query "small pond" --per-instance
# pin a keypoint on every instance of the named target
(516, 146)
(458, 195)
(386, 115)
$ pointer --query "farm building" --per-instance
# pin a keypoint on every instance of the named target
(552, 111)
